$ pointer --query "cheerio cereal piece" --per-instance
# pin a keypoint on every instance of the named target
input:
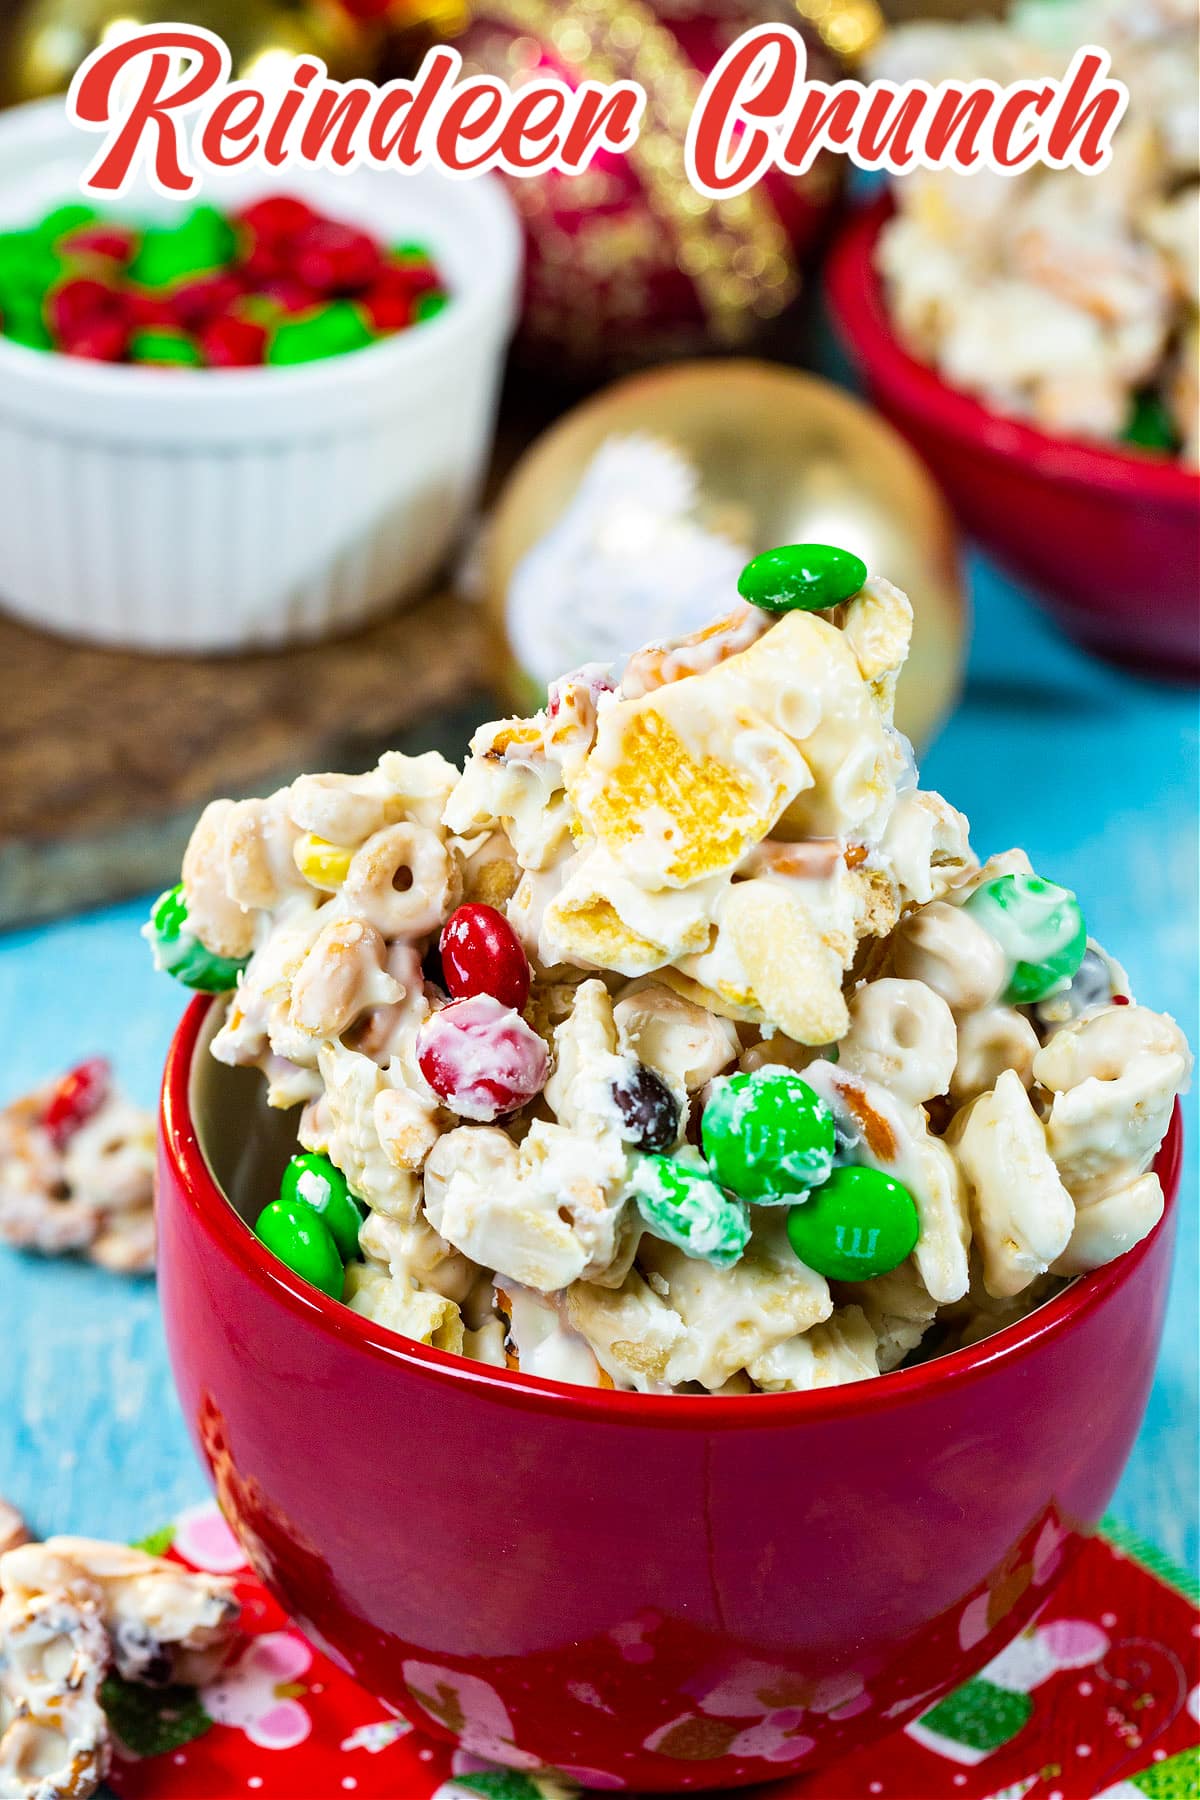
(1022, 1214)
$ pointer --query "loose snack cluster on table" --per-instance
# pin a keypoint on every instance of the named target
(1054, 296)
(76, 1613)
(680, 1043)
(77, 1172)
(276, 283)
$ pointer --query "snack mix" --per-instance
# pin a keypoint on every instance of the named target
(1053, 296)
(77, 1172)
(275, 283)
(73, 1613)
(680, 1043)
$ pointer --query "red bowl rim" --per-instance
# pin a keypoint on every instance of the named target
(225, 1227)
(856, 296)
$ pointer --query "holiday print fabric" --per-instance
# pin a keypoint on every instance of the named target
(1100, 1700)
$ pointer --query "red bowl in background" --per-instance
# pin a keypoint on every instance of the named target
(648, 1592)
(1108, 538)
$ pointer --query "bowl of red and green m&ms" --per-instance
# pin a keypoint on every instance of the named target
(276, 283)
(255, 416)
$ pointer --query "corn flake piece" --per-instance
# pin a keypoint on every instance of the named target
(632, 1332)
(839, 1350)
(601, 917)
(680, 785)
(793, 973)
(877, 624)
(802, 680)
(738, 1314)
(394, 1302)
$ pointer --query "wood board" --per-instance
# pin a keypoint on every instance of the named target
(106, 757)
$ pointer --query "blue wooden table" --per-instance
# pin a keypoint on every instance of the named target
(1095, 773)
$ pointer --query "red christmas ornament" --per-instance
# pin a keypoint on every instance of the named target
(627, 263)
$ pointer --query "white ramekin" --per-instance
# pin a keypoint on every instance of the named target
(221, 510)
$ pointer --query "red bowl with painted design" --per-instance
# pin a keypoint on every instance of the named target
(1108, 537)
(644, 1592)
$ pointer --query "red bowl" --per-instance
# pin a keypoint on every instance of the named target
(639, 1591)
(1108, 538)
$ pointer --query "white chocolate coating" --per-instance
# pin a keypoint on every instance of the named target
(723, 861)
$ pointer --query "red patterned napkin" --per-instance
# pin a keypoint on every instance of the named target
(1100, 1698)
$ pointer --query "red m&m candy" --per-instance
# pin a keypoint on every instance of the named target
(204, 297)
(102, 339)
(388, 302)
(277, 284)
(482, 955)
(115, 243)
(232, 343)
(75, 1099)
(77, 302)
(277, 217)
(334, 258)
(288, 294)
(481, 1058)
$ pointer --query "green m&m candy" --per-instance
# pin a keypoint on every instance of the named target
(165, 348)
(179, 952)
(61, 220)
(329, 331)
(320, 1184)
(767, 1135)
(26, 326)
(1040, 928)
(28, 266)
(202, 241)
(683, 1205)
(801, 577)
(299, 1237)
(860, 1223)
(430, 305)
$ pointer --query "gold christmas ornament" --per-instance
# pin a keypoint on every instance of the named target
(48, 39)
(849, 28)
(781, 457)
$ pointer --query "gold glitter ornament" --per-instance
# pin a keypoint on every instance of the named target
(780, 457)
(48, 39)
